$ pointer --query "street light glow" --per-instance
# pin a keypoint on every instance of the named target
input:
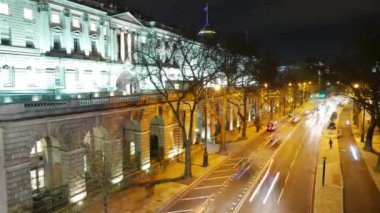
(356, 86)
(217, 87)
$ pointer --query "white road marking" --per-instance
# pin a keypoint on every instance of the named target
(279, 198)
(206, 187)
(195, 198)
(214, 178)
(287, 177)
(224, 170)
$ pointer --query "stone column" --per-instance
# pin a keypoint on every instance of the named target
(143, 149)
(44, 28)
(3, 182)
(129, 44)
(67, 36)
(122, 45)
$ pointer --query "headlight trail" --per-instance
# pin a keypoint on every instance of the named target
(261, 182)
(271, 187)
(354, 153)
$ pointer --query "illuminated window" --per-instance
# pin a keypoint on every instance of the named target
(176, 86)
(37, 178)
(93, 27)
(143, 39)
(37, 148)
(4, 9)
(76, 23)
(28, 14)
(132, 148)
(55, 18)
(106, 49)
(85, 166)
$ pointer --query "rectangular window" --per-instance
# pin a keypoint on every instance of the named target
(37, 178)
(56, 42)
(55, 19)
(28, 14)
(92, 27)
(76, 23)
(37, 148)
(76, 45)
(4, 9)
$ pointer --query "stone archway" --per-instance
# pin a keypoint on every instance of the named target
(127, 82)
(157, 139)
(132, 145)
(46, 166)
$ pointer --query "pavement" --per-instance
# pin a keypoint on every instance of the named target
(328, 191)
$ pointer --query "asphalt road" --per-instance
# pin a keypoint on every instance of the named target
(289, 185)
(360, 192)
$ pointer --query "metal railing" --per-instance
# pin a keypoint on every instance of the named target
(50, 200)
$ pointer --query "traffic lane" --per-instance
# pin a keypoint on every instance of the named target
(190, 200)
(361, 194)
(297, 192)
(226, 201)
(264, 197)
(284, 157)
(282, 162)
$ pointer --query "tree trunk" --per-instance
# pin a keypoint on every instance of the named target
(105, 202)
(378, 163)
(244, 120)
(186, 141)
(368, 140)
(222, 142)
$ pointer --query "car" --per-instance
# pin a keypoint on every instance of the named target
(295, 119)
(272, 126)
(273, 141)
(331, 125)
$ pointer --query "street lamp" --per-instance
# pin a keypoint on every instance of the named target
(363, 122)
(205, 154)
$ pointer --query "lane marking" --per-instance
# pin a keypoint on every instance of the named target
(224, 170)
(279, 198)
(196, 198)
(206, 187)
(271, 188)
(221, 177)
(179, 211)
(286, 179)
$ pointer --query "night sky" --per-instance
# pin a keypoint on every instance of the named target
(289, 29)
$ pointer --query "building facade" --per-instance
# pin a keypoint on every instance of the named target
(68, 81)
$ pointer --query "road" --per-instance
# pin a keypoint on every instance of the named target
(289, 184)
(360, 192)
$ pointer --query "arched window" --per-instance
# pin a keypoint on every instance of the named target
(132, 148)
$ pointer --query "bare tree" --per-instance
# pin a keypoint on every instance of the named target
(179, 73)
(100, 163)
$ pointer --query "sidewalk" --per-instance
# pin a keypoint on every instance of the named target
(328, 198)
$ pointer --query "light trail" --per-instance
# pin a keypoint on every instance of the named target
(354, 153)
(261, 182)
(271, 187)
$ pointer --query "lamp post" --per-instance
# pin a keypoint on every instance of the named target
(205, 154)
(363, 122)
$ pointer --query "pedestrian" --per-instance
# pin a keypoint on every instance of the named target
(331, 143)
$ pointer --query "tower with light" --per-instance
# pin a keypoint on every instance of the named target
(206, 31)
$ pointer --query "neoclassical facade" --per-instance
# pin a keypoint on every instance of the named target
(68, 82)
